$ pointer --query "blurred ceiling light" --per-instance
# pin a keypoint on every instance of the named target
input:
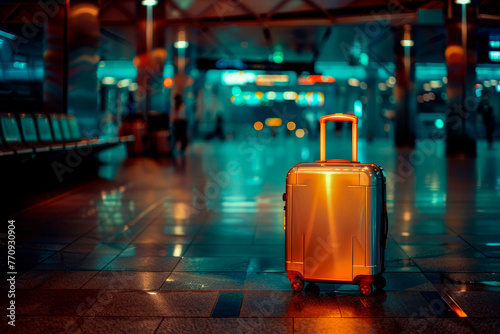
(493, 82)
(407, 41)
(271, 95)
(353, 82)
(300, 133)
(278, 57)
(132, 87)
(364, 59)
(363, 85)
(181, 40)
(290, 126)
(382, 86)
(273, 121)
(486, 84)
(244, 44)
(258, 126)
(439, 123)
(387, 127)
(426, 97)
(181, 44)
(427, 87)
(436, 84)
(149, 3)
(445, 79)
(124, 83)
(392, 80)
(7, 35)
(405, 234)
(168, 82)
(108, 81)
(290, 95)
(432, 96)
(494, 56)
(462, 2)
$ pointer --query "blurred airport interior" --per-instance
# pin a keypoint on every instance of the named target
(150, 140)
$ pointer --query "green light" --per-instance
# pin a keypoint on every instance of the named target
(149, 3)
(493, 244)
(494, 44)
(494, 55)
(439, 123)
(181, 44)
(364, 59)
(278, 57)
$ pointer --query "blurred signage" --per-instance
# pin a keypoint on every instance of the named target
(272, 79)
(231, 78)
(237, 64)
(312, 79)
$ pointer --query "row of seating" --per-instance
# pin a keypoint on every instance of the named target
(38, 133)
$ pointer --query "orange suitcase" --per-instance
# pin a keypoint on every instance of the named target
(336, 221)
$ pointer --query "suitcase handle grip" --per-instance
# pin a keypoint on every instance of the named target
(338, 117)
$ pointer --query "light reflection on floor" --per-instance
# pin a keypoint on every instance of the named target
(167, 240)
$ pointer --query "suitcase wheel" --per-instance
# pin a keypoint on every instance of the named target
(365, 288)
(379, 282)
(297, 284)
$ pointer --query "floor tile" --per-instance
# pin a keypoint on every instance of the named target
(39, 324)
(265, 304)
(143, 263)
(119, 280)
(225, 325)
(130, 325)
(152, 304)
(204, 281)
(212, 264)
(50, 279)
(52, 302)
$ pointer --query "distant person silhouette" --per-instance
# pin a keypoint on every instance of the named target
(486, 108)
(179, 122)
(218, 131)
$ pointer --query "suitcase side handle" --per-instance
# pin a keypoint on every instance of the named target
(338, 117)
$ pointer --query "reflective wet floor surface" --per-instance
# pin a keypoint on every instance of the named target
(196, 244)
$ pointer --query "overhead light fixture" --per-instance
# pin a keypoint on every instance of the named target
(278, 57)
(149, 3)
(181, 44)
(462, 2)
(407, 42)
(7, 35)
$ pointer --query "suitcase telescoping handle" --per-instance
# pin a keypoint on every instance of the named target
(339, 117)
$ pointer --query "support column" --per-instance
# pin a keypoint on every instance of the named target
(150, 59)
(461, 59)
(404, 91)
(83, 31)
(372, 107)
(55, 63)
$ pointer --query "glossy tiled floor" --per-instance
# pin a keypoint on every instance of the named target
(196, 245)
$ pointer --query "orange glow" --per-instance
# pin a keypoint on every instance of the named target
(458, 310)
(339, 117)
(300, 133)
(312, 79)
(258, 126)
(273, 122)
(168, 82)
(290, 126)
